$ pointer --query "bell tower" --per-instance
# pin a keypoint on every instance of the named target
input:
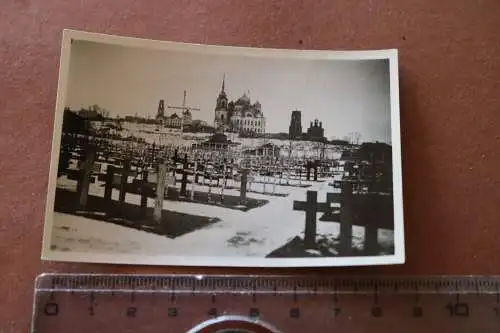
(221, 109)
(161, 109)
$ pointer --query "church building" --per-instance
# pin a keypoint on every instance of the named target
(240, 116)
(174, 120)
(316, 132)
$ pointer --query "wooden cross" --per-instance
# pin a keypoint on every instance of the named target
(84, 177)
(111, 180)
(311, 206)
(333, 201)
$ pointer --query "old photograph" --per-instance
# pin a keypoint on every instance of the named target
(168, 153)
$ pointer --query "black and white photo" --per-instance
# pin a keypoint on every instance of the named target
(169, 153)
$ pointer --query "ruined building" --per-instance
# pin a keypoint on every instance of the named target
(295, 128)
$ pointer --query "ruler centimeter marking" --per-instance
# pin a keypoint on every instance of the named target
(264, 303)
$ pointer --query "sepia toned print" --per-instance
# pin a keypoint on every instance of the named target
(182, 154)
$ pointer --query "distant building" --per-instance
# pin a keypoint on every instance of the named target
(316, 132)
(89, 114)
(160, 114)
(174, 120)
(376, 152)
(371, 162)
(267, 149)
(295, 128)
(197, 126)
(188, 117)
(199, 122)
(216, 142)
(339, 142)
(240, 116)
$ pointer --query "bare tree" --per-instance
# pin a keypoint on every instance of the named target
(353, 138)
(356, 137)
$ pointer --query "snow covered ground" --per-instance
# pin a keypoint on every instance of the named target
(160, 135)
(254, 233)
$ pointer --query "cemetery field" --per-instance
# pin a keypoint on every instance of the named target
(196, 229)
(184, 156)
(217, 202)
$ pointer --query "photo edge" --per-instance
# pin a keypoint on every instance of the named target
(221, 262)
(69, 35)
(62, 85)
(226, 49)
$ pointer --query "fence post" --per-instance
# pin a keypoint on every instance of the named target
(195, 178)
(275, 178)
(108, 187)
(243, 187)
(370, 215)
(223, 182)
(346, 217)
(282, 171)
(184, 176)
(160, 192)
(196, 175)
(84, 181)
(123, 180)
(209, 186)
(144, 197)
(310, 228)
(287, 174)
(174, 171)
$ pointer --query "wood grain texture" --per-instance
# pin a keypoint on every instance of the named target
(450, 112)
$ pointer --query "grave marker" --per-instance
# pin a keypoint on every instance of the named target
(144, 197)
(346, 217)
(84, 179)
(160, 192)
(184, 176)
(371, 245)
(311, 207)
(123, 181)
(110, 171)
(223, 182)
(209, 185)
(243, 187)
(195, 179)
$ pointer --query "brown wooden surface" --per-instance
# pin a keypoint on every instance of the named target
(450, 112)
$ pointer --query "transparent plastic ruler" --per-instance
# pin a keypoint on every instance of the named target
(253, 304)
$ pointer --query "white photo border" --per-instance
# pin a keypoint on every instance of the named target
(116, 258)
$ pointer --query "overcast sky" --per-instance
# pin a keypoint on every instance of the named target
(347, 96)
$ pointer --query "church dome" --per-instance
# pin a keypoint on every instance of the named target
(243, 99)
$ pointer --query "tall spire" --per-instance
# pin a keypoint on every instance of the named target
(223, 81)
